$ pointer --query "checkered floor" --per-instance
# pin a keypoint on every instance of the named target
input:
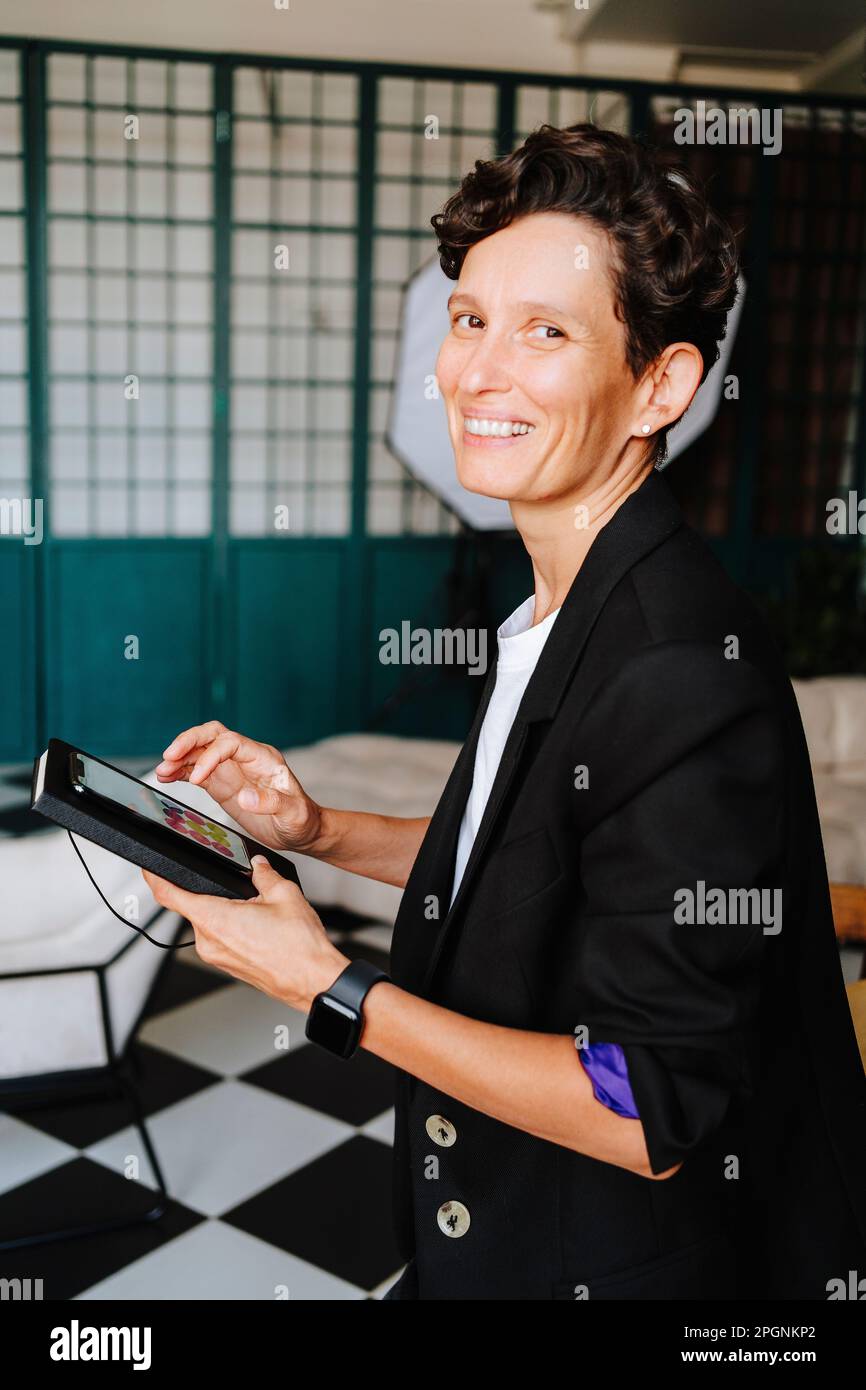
(277, 1158)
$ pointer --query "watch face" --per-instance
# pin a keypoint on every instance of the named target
(333, 1025)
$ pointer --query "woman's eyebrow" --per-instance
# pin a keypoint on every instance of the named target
(458, 295)
(536, 307)
(526, 305)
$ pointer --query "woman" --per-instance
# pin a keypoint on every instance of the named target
(625, 1064)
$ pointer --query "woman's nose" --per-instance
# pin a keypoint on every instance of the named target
(486, 367)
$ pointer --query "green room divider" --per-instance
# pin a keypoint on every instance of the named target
(202, 260)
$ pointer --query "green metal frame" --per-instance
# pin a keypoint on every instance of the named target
(357, 569)
(222, 384)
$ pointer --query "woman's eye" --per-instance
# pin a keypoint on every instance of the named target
(544, 329)
(474, 317)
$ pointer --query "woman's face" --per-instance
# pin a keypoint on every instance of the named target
(535, 341)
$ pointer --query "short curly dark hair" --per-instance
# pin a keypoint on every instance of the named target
(674, 261)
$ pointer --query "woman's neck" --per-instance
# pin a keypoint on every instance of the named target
(558, 534)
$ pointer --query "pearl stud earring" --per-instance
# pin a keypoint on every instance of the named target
(645, 429)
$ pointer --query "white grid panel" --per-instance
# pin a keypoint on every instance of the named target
(14, 470)
(429, 135)
(293, 319)
(130, 295)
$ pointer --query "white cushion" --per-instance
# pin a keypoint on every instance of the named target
(54, 1023)
(816, 712)
(52, 920)
(833, 710)
(848, 694)
(842, 812)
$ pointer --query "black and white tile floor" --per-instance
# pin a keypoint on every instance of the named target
(277, 1157)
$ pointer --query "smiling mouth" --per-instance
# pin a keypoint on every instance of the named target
(478, 428)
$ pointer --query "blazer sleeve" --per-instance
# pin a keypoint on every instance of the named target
(685, 795)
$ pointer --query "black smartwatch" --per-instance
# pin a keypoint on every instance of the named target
(335, 1020)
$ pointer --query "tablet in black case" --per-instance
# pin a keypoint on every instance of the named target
(149, 845)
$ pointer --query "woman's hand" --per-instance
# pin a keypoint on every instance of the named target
(275, 942)
(249, 780)
(253, 783)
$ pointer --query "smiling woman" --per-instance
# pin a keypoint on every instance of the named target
(616, 264)
(595, 1096)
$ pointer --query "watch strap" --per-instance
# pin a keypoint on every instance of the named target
(352, 984)
(349, 989)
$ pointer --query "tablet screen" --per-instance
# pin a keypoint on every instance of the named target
(114, 785)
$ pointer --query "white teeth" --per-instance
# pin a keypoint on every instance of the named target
(498, 428)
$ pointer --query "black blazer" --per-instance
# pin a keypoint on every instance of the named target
(740, 1046)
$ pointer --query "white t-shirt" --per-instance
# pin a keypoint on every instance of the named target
(520, 646)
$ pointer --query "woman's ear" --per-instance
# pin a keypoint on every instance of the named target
(671, 383)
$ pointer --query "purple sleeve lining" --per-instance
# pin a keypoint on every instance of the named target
(605, 1065)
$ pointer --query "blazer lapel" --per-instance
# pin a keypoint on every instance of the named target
(647, 518)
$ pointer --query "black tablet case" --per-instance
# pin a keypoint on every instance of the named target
(133, 838)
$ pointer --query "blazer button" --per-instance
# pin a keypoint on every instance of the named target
(453, 1219)
(441, 1131)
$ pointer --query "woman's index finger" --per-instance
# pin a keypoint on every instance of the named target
(229, 747)
(198, 735)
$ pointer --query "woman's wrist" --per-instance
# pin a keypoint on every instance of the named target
(324, 971)
(293, 835)
(325, 833)
(362, 842)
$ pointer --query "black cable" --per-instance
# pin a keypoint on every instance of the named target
(163, 946)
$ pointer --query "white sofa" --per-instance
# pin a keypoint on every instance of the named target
(833, 709)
